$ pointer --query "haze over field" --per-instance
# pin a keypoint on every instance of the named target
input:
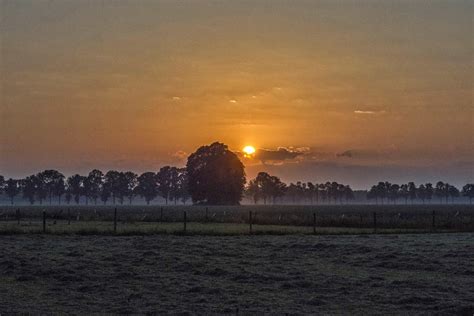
(351, 91)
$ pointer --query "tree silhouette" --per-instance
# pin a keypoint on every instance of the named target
(12, 189)
(421, 193)
(277, 188)
(252, 190)
(311, 188)
(382, 190)
(49, 179)
(93, 185)
(468, 191)
(322, 192)
(167, 179)
(51, 182)
(182, 186)
(293, 192)
(429, 191)
(216, 175)
(147, 186)
(130, 182)
(29, 187)
(453, 192)
(411, 191)
(104, 194)
(348, 193)
(75, 186)
(372, 194)
(268, 186)
(2, 184)
(263, 181)
(393, 192)
(112, 184)
(440, 190)
(59, 188)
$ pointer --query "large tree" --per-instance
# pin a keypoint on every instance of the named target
(216, 175)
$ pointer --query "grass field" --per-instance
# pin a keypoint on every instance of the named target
(194, 228)
(295, 274)
(150, 265)
(235, 220)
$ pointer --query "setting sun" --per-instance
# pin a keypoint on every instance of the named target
(248, 150)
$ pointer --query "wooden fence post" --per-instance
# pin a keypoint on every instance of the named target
(18, 216)
(115, 220)
(250, 222)
(314, 223)
(161, 214)
(433, 221)
(184, 220)
(69, 216)
(44, 221)
(207, 216)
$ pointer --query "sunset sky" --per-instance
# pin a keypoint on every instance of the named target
(352, 91)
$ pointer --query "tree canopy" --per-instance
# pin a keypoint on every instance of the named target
(216, 175)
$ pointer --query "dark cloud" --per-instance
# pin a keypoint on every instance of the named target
(347, 153)
(279, 155)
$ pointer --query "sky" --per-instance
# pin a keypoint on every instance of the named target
(351, 91)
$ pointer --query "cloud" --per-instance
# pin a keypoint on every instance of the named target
(180, 155)
(176, 98)
(347, 153)
(233, 101)
(368, 112)
(279, 155)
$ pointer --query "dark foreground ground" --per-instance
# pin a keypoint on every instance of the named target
(394, 274)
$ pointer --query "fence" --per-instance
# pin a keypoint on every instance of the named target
(236, 220)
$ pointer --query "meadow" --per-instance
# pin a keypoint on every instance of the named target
(239, 275)
(230, 220)
(151, 265)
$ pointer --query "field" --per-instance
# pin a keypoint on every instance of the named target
(325, 219)
(295, 274)
(151, 265)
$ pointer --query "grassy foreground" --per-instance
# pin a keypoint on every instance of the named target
(193, 228)
(424, 274)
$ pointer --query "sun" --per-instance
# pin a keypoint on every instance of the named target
(248, 151)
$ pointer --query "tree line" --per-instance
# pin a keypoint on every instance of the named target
(169, 183)
(391, 192)
(270, 188)
(213, 175)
